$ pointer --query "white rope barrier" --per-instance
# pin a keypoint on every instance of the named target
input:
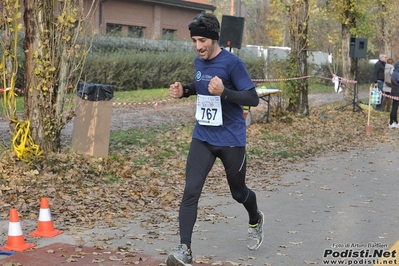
(341, 79)
(156, 103)
(390, 96)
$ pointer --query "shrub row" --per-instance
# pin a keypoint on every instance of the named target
(131, 64)
(131, 70)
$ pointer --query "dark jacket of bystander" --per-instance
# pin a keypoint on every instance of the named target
(395, 80)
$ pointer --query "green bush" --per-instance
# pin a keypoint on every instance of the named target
(134, 63)
(132, 69)
(256, 67)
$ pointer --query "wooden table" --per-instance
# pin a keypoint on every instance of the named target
(264, 94)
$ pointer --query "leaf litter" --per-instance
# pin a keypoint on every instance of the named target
(136, 182)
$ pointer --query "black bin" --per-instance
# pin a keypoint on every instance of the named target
(95, 91)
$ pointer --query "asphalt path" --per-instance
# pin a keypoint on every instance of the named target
(328, 208)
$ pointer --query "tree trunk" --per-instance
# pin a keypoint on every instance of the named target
(53, 62)
(9, 37)
(39, 76)
(299, 15)
(7, 42)
(386, 29)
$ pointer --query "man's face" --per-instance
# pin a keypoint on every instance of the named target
(206, 48)
(384, 58)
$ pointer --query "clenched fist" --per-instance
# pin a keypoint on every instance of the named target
(176, 90)
(215, 86)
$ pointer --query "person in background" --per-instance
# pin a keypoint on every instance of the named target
(387, 102)
(393, 117)
(222, 85)
(379, 75)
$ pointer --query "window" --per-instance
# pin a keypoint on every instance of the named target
(168, 34)
(136, 31)
(114, 29)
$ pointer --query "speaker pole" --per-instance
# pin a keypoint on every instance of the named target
(355, 91)
(239, 8)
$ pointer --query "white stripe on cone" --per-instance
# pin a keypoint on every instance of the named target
(14, 229)
(45, 215)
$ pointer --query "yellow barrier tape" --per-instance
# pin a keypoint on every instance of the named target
(22, 141)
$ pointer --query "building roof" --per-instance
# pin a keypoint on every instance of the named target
(203, 2)
(192, 4)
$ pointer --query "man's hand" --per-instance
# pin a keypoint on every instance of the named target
(176, 90)
(215, 86)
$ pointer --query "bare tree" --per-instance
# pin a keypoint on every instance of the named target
(10, 27)
(298, 28)
(349, 64)
(6, 41)
(386, 30)
(256, 14)
(54, 56)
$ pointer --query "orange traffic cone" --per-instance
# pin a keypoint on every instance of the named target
(45, 226)
(16, 240)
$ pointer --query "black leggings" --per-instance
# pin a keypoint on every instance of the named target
(393, 116)
(201, 158)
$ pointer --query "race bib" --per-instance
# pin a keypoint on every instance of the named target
(209, 110)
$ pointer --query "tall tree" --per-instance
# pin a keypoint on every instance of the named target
(10, 26)
(255, 13)
(276, 21)
(386, 29)
(324, 30)
(298, 28)
(54, 56)
(222, 7)
(351, 14)
(386, 25)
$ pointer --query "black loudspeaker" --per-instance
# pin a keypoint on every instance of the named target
(358, 47)
(231, 31)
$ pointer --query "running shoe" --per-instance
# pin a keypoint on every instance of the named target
(181, 257)
(255, 233)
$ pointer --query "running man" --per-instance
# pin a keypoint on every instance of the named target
(222, 85)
